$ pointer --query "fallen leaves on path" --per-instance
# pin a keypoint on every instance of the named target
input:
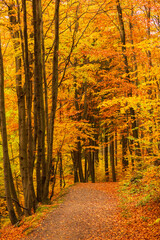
(92, 211)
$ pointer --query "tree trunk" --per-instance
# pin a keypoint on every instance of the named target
(54, 99)
(124, 150)
(92, 168)
(38, 90)
(116, 146)
(75, 167)
(106, 156)
(112, 158)
(150, 92)
(7, 179)
(31, 203)
(46, 121)
(79, 160)
(125, 59)
(91, 164)
(60, 168)
(21, 102)
(13, 192)
(86, 165)
(134, 61)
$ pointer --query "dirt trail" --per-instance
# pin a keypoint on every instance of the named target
(89, 211)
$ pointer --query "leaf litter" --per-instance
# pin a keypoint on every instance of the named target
(94, 211)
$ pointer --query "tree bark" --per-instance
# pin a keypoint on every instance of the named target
(79, 160)
(92, 167)
(75, 167)
(106, 156)
(124, 150)
(60, 168)
(116, 147)
(112, 162)
(7, 179)
(38, 91)
(31, 203)
(126, 66)
(13, 192)
(21, 101)
(54, 100)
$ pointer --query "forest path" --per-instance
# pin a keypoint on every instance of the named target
(89, 211)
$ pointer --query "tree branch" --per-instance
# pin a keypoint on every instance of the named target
(15, 201)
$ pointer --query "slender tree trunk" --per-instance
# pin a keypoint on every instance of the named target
(116, 146)
(54, 173)
(7, 179)
(148, 13)
(21, 102)
(31, 193)
(112, 162)
(123, 38)
(60, 168)
(79, 117)
(150, 92)
(91, 164)
(124, 150)
(75, 167)
(96, 151)
(54, 99)
(126, 65)
(46, 121)
(106, 156)
(134, 61)
(86, 165)
(79, 159)
(92, 168)
(13, 192)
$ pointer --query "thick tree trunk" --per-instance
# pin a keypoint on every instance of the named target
(7, 179)
(38, 90)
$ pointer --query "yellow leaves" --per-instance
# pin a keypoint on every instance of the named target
(157, 221)
(124, 103)
(67, 132)
(149, 44)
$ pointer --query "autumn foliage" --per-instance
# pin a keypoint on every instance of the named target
(82, 92)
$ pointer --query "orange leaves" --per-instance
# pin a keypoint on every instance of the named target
(12, 233)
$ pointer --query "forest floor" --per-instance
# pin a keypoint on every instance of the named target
(94, 211)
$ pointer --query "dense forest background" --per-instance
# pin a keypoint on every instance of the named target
(79, 97)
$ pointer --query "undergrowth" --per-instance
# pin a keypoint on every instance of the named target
(27, 224)
(138, 190)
